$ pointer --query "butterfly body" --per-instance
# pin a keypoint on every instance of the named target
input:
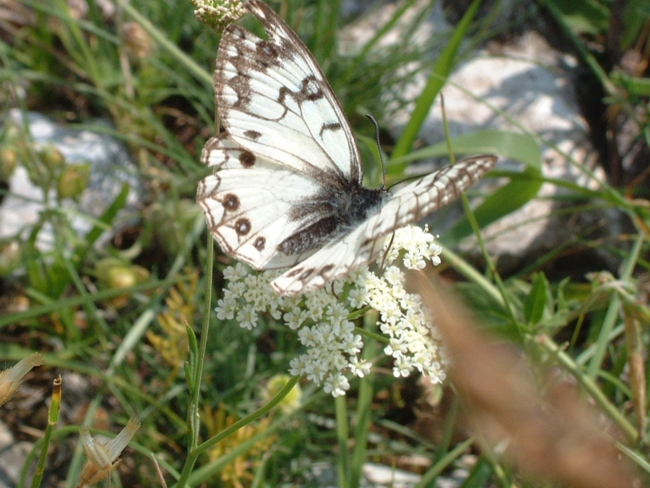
(334, 213)
(287, 184)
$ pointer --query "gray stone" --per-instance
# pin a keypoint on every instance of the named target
(12, 460)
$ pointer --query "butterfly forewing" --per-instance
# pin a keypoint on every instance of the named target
(248, 204)
(274, 100)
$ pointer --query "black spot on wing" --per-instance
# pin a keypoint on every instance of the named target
(325, 270)
(242, 226)
(231, 202)
(260, 243)
(331, 126)
(247, 159)
(310, 90)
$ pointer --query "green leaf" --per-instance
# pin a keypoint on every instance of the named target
(512, 145)
(583, 16)
(536, 300)
(633, 84)
(106, 219)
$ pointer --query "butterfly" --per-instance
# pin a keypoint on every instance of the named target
(286, 189)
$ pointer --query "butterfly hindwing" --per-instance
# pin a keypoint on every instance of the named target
(274, 100)
(364, 243)
(431, 192)
(248, 203)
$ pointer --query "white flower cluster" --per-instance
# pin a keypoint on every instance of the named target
(321, 317)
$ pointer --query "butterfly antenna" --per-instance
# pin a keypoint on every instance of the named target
(333, 292)
(390, 244)
(381, 155)
(383, 168)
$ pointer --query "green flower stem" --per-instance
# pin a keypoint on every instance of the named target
(194, 454)
(197, 363)
(469, 272)
(342, 436)
(613, 310)
(364, 407)
(52, 420)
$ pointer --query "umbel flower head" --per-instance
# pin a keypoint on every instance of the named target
(321, 318)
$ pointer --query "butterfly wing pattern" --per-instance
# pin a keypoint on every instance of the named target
(286, 188)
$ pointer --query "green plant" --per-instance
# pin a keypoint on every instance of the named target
(148, 72)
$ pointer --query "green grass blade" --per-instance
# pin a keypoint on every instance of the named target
(436, 81)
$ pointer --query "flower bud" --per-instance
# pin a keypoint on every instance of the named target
(8, 159)
(115, 273)
(137, 41)
(74, 180)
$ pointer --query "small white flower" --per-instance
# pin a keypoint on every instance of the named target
(337, 313)
(352, 345)
(238, 288)
(308, 336)
(359, 367)
(247, 317)
(298, 366)
(226, 306)
(336, 384)
(316, 371)
(293, 318)
(234, 273)
(356, 298)
(394, 275)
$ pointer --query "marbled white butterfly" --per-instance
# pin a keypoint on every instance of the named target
(287, 184)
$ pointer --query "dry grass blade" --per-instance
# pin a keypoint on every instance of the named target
(552, 435)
